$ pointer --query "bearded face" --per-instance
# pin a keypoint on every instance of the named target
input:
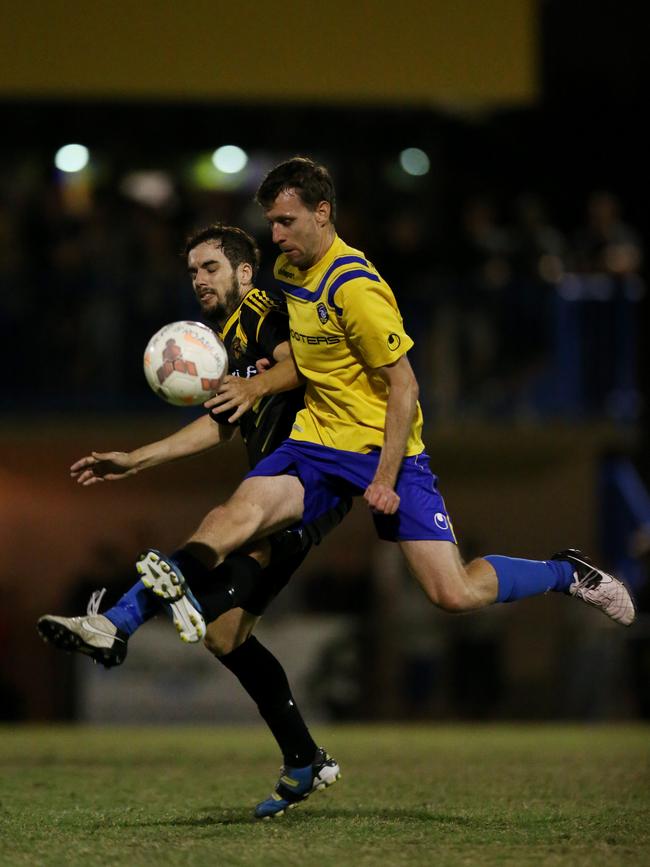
(215, 282)
(217, 307)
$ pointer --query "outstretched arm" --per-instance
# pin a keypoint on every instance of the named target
(402, 401)
(239, 394)
(193, 439)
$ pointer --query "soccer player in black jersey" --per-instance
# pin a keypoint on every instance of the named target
(222, 262)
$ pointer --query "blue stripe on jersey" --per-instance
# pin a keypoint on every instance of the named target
(338, 263)
(296, 291)
(344, 278)
(314, 295)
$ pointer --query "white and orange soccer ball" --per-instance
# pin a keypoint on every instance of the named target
(184, 363)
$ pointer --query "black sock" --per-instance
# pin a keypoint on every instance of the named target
(218, 590)
(264, 679)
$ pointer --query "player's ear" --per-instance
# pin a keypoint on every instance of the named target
(244, 274)
(323, 212)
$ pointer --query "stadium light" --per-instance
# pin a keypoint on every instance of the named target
(72, 158)
(414, 162)
(229, 159)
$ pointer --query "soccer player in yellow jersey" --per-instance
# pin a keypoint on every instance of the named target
(359, 434)
(360, 430)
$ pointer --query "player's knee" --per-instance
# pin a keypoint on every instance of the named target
(453, 600)
(221, 643)
(260, 550)
(455, 603)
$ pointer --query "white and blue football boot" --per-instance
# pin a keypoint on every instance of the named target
(162, 577)
(297, 784)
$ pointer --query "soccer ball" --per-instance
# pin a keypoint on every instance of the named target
(184, 363)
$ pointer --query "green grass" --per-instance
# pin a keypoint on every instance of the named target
(470, 795)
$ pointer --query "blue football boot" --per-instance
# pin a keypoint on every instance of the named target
(297, 784)
(163, 577)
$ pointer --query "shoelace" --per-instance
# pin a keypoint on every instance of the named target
(95, 601)
(591, 580)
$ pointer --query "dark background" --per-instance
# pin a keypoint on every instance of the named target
(523, 458)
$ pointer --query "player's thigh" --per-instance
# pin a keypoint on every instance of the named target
(439, 569)
(259, 506)
(228, 631)
(277, 500)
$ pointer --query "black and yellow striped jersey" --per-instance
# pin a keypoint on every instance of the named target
(251, 333)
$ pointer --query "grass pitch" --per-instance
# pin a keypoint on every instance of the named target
(470, 795)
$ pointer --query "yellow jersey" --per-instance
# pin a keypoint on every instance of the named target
(344, 323)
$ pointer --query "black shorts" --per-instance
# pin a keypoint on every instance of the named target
(288, 550)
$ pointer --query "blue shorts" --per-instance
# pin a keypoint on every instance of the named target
(328, 475)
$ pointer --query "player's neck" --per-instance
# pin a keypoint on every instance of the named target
(329, 234)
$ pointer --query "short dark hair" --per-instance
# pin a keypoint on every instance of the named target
(311, 181)
(237, 245)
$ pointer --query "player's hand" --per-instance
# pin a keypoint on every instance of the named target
(235, 393)
(382, 498)
(102, 467)
(263, 364)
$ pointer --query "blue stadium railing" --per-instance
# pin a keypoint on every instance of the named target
(594, 366)
(624, 519)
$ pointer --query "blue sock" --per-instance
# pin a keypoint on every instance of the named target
(519, 579)
(133, 609)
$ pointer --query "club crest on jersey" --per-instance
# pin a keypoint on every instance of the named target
(394, 341)
(323, 315)
(236, 348)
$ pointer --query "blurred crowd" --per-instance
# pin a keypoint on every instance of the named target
(516, 316)
(513, 317)
(518, 319)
